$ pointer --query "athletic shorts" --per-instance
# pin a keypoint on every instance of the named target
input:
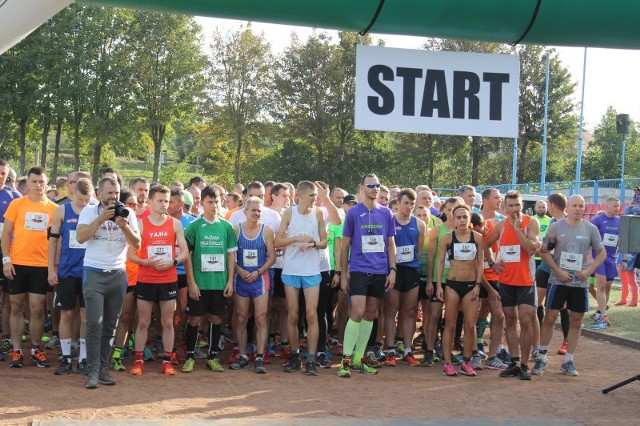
(211, 302)
(542, 278)
(483, 291)
(29, 279)
(258, 288)
(3, 284)
(364, 284)
(608, 269)
(182, 281)
(278, 285)
(515, 295)
(156, 292)
(576, 298)
(461, 287)
(130, 289)
(65, 293)
(422, 288)
(299, 282)
(406, 279)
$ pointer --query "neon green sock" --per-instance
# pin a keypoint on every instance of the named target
(351, 333)
(363, 336)
(116, 353)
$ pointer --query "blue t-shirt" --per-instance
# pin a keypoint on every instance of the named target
(71, 253)
(185, 220)
(609, 228)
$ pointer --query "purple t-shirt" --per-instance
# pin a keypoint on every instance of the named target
(609, 228)
(369, 231)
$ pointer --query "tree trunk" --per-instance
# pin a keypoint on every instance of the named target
(475, 159)
(23, 145)
(157, 135)
(56, 150)
(97, 153)
(77, 121)
(522, 160)
(46, 127)
(236, 166)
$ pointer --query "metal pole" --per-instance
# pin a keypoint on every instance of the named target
(622, 185)
(543, 171)
(579, 160)
(515, 163)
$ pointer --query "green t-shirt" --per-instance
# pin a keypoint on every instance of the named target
(544, 222)
(210, 242)
(335, 231)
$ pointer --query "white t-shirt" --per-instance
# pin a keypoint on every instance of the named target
(269, 217)
(107, 248)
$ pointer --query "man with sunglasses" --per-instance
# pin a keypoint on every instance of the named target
(368, 262)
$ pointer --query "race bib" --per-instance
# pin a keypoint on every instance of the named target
(162, 252)
(570, 261)
(73, 241)
(510, 254)
(212, 262)
(405, 254)
(279, 259)
(610, 240)
(372, 244)
(464, 251)
(447, 262)
(250, 257)
(36, 221)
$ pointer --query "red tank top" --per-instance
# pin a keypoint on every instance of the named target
(514, 258)
(489, 273)
(157, 241)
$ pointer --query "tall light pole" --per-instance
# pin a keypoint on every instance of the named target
(622, 128)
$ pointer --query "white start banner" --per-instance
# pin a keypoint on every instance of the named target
(447, 93)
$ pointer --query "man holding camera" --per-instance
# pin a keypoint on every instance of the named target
(107, 228)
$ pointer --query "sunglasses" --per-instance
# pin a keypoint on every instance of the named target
(132, 205)
(373, 185)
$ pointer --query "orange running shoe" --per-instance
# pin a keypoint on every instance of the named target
(265, 359)
(285, 353)
(175, 360)
(563, 348)
(409, 359)
(234, 356)
(391, 360)
(167, 369)
(137, 369)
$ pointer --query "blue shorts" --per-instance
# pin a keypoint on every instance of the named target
(297, 281)
(608, 268)
(255, 289)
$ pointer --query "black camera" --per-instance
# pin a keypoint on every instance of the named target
(120, 210)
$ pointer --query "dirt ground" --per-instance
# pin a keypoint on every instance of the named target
(33, 393)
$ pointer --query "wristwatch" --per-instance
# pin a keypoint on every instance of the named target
(175, 262)
(393, 268)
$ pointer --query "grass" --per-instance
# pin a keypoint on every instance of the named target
(625, 321)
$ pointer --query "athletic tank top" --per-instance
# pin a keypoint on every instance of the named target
(462, 251)
(489, 273)
(515, 259)
(407, 243)
(157, 241)
(442, 229)
(296, 262)
(252, 253)
(71, 252)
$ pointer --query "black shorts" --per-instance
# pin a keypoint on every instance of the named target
(576, 298)
(364, 284)
(29, 279)
(182, 281)
(3, 284)
(211, 302)
(65, 293)
(130, 289)
(422, 288)
(515, 295)
(461, 287)
(156, 292)
(278, 285)
(406, 279)
(483, 291)
(542, 278)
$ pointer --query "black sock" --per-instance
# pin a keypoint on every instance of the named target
(251, 325)
(215, 331)
(515, 359)
(374, 333)
(191, 337)
(564, 322)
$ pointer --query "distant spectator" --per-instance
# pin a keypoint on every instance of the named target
(198, 182)
(176, 184)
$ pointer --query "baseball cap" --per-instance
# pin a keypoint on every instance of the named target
(637, 188)
(350, 199)
(188, 198)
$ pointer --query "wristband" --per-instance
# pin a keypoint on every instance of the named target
(338, 273)
(478, 284)
(314, 244)
(6, 260)
(393, 268)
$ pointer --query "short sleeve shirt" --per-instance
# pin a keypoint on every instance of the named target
(31, 219)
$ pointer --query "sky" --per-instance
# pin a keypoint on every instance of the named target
(611, 74)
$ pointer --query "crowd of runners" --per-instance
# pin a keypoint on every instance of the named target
(317, 276)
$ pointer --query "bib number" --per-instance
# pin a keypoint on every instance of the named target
(73, 241)
(510, 254)
(610, 240)
(570, 261)
(36, 221)
(372, 244)
(464, 251)
(279, 259)
(250, 257)
(405, 254)
(162, 252)
(212, 262)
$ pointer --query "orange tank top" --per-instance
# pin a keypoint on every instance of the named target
(489, 273)
(160, 241)
(514, 258)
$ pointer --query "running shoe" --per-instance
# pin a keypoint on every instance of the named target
(242, 362)
(16, 360)
(116, 364)
(345, 368)
(259, 367)
(419, 340)
(271, 347)
(168, 369)
(292, 364)
(188, 365)
(456, 359)
(438, 353)
(105, 379)
(39, 358)
(481, 352)
(202, 342)
(6, 346)
(391, 359)
(45, 338)
(457, 345)
(467, 370)
(53, 343)
(310, 369)
(364, 368)
(513, 370)
(379, 353)
(339, 349)
(410, 359)
(214, 365)
(175, 360)
(540, 365)
(64, 368)
(234, 356)
(476, 362)
(449, 370)
(198, 353)
(323, 361)
(599, 325)
(400, 347)
(525, 374)
(427, 361)
(92, 382)
(605, 318)
(563, 348)
(504, 356)
(372, 360)
(137, 369)
(147, 355)
(569, 369)
(159, 346)
(83, 367)
(285, 353)
(495, 363)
